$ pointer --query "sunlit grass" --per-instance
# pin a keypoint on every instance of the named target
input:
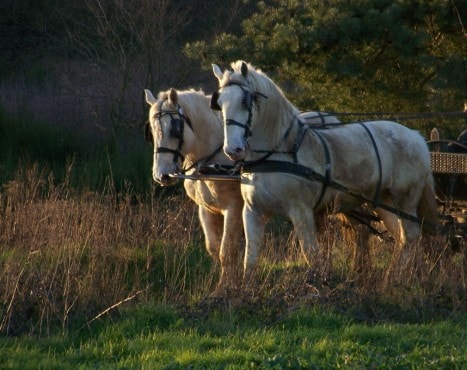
(306, 338)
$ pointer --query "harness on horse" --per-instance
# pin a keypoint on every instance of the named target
(294, 168)
(266, 165)
(248, 99)
(177, 126)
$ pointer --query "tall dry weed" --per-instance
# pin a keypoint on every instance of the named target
(433, 277)
(65, 254)
(68, 258)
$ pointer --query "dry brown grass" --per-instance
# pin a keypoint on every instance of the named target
(67, 258)
(64, 254)
(432, 282)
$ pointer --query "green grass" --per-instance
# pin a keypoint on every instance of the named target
(164, 337)
(80, 160)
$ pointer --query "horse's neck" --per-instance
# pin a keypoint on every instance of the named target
(208, 137)
(296, 142)
(277, 126)
(207, 132)
(280, 129)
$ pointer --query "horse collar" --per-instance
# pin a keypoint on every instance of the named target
(296, 145)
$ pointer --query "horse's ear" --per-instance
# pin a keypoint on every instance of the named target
(150, 99)
(173, 98)
(217, 72)
(244, 69)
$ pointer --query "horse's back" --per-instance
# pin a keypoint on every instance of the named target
(317, 118)
(362, 153)
(393, 140)
(402, 142)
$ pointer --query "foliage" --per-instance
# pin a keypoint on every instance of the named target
(25, 140)
(370, 55)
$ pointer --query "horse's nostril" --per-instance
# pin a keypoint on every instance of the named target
(238, 150)
(165, 178)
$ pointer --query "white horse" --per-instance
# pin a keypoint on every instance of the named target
(294, 171)
(186, 133)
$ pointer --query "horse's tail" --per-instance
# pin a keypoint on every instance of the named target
(428, 208)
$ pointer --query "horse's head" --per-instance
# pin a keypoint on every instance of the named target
(236, 98)
(166, 130)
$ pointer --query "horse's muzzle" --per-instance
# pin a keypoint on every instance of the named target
(166, 180)
(236, 153)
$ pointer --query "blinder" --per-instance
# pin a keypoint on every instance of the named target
(214, 103)
(147, 133)
(176, 128)
(247, 101)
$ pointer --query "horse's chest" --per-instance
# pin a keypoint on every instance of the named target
(274, 193)
(213, 195)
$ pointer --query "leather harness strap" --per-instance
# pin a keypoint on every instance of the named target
(327, 168)
(307, 173)
(184, 119)
(377, 197)
(296, 169)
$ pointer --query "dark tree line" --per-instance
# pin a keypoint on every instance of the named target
(337, 55)
(354, 55)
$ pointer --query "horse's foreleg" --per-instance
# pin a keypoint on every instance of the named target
(254, 225)
(212, 225)
(230, 248)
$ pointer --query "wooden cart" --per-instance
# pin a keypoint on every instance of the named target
(449, 166)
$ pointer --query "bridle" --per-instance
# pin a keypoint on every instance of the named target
(247, 101)
(177, 126)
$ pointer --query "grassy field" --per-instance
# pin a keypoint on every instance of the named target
(213, 336)
(100, 268)
(119, 280)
